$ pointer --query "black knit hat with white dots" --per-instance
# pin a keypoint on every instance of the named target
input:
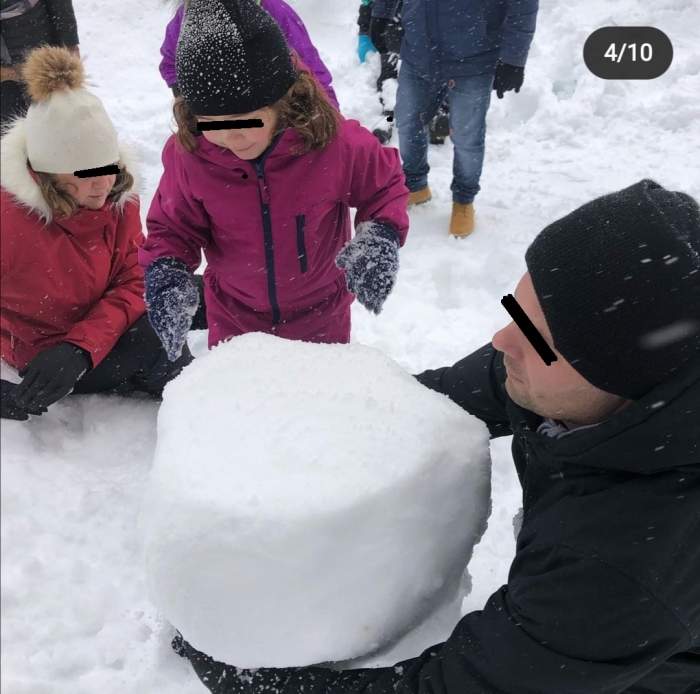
(232, 58)
(618, 280)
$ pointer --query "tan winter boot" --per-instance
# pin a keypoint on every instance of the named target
(462, 222)
(418, 197)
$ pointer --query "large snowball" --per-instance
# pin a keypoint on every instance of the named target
(308, 502)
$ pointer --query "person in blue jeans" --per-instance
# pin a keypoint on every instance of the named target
(462, 50)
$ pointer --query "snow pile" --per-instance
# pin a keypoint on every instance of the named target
(76, 618)
(308, 502)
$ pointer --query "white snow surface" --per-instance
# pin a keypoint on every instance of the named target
(76, 617)
(287, 474)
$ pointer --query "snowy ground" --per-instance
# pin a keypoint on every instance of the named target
(75, 614)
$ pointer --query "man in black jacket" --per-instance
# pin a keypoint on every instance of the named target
(603, 595)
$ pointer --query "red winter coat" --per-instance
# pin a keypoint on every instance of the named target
(73, 279)
(271, 233)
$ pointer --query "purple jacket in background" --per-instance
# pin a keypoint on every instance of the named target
(292, 28)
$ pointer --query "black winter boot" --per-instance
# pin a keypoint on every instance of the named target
(385, 131)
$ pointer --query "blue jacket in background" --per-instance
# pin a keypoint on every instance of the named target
(462, 38)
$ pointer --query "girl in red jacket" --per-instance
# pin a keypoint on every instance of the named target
(73, 315)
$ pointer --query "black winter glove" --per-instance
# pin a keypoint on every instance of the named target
(508, 77)
(50, 376)
(371, 261)
(172, 300)
(9, 409)
(220, 678)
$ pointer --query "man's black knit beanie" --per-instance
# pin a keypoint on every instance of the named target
(618, 280)
(231, 58)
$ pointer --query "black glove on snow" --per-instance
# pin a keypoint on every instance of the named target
(508, 77)
(9, 409)
(371, 261)
(377, 32)
(50, 376)
(221, 678)
(172, 300)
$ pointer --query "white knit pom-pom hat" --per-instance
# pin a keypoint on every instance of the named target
(67, 128)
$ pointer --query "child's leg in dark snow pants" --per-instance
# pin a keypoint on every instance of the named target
(137, 362)
(389, 62)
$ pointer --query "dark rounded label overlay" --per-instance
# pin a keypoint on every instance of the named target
(628, 53)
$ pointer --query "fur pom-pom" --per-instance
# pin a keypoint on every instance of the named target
(49, 69)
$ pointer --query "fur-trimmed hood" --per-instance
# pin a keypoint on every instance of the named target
(16, 178)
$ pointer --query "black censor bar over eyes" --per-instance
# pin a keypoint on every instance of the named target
(529, 330)
(230, 124)
(99, 171)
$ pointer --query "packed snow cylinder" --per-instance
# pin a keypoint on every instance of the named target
(308, 502)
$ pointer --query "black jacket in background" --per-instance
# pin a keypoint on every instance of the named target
(48, 22)
(603, 595)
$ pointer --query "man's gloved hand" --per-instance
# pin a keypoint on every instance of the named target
(228, 679)
(508, 77)
(172, 300)
(371, 261)
(364, 46)
(50, 376)
(217, 676)
(9, 409)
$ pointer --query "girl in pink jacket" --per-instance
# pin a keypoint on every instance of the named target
(261, 175)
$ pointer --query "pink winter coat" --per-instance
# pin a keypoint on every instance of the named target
(271, 229)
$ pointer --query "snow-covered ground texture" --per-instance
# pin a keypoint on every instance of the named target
(287, 474)
(76, 613)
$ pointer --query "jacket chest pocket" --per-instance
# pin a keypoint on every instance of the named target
(315, 235)
(301, 242)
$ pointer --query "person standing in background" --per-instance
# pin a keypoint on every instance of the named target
(24, 25)
(459, 50)
(294, 32)
(389, 59)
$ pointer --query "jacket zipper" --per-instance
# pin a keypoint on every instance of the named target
(267, 236)
(301, 246)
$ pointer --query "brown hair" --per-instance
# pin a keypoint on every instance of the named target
(304, 107)
(63, 204)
